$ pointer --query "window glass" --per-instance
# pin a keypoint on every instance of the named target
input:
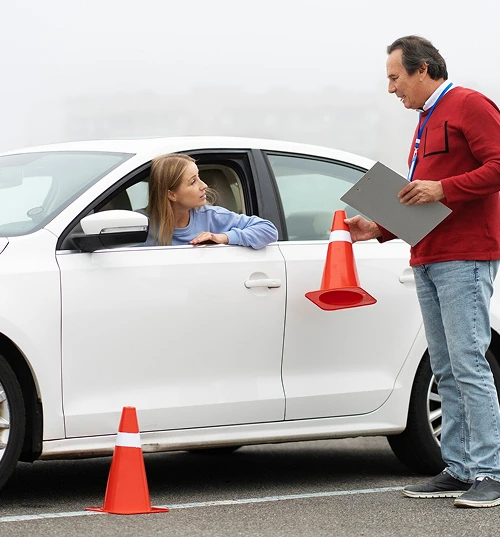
(310, 192)
(34, 187)
(138, 195)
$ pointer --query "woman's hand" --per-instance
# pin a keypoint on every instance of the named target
(362, 229)
(206, 236)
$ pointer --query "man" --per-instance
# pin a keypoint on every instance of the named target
(455, 158)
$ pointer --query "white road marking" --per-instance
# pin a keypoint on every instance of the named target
(215, 503)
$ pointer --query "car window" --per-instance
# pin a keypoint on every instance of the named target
(34, 187)
(310, 191)
(25, 200)
(138, 195)
(226, 184)
(222, 179)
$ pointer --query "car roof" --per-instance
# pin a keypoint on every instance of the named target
(149, 147)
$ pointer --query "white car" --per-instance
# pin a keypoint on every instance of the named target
(215, 346)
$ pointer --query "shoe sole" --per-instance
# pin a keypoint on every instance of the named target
(431, 495)
(471, 503)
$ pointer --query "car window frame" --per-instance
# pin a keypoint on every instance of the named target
(274, 184)
(240, 160)
(64, 240)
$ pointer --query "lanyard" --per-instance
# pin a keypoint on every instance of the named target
(420, 132)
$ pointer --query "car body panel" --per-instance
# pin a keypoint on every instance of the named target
(30, 316)
(345, 362)
(174, 332)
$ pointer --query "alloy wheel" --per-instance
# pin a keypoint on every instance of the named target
(434, 411)
(4, 421)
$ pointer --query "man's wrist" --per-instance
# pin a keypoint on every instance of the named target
(377, 232)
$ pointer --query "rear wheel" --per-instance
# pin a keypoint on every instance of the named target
(419, 445)
(12, 421)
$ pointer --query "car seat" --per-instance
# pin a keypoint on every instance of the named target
(217, 180)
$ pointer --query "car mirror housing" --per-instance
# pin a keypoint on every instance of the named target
(111, 229)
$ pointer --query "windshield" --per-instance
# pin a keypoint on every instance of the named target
(35, 187)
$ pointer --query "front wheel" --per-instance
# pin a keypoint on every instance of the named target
(419, 445)
(12, 421)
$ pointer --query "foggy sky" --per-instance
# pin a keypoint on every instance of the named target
(85, 68)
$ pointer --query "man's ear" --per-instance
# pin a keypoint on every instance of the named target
(423, 68)
(171, 195)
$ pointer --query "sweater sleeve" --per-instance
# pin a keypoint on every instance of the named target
(480, 120)
(386, 234)
(243, 230)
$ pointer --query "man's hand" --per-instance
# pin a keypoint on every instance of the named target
(362, 229)
(419, 192)
(206, 236)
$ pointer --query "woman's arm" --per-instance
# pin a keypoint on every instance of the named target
(240, 229)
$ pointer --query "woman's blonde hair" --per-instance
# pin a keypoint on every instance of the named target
(166, 173)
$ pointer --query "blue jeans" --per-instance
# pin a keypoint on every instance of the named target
(454, 298)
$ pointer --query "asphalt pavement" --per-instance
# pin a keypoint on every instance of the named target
(338, 488)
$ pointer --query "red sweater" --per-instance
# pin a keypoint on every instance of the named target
(460, 147)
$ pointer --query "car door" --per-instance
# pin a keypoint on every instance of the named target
(176, 331)
(344, 362)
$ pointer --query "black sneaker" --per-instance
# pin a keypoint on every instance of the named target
(442, 486)
(484, 492)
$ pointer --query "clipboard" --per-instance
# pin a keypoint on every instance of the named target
(375, 195)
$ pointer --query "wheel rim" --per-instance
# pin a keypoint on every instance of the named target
(4, 421)
(434, 412)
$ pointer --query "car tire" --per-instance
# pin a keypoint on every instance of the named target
(12, 421)
(418, 446)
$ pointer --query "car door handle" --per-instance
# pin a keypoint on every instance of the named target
(267, 282)
(407, 276)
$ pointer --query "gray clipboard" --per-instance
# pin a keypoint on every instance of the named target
(376, 196)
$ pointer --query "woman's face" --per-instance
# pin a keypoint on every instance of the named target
(190, 193)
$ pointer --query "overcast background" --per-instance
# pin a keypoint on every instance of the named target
(311, 71)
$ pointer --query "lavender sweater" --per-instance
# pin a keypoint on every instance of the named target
(240, 229)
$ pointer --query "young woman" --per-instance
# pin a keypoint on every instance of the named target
(179, 214)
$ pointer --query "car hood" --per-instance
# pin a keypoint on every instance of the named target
(3, 243)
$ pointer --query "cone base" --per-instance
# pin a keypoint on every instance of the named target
(338, 299)
(151, 510)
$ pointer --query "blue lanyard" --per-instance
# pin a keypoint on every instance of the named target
(420, 132)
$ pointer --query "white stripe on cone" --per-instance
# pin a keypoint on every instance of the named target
(340, 235)
(128, 440)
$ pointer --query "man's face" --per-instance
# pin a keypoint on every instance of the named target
(409, 89)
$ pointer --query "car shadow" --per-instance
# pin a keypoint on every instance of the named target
(176, 477)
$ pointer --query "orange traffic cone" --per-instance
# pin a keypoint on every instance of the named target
(340, 286)
(127, 492)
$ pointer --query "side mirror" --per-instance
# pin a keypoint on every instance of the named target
(110, 229)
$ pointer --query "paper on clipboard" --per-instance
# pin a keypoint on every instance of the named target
(375, 195)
